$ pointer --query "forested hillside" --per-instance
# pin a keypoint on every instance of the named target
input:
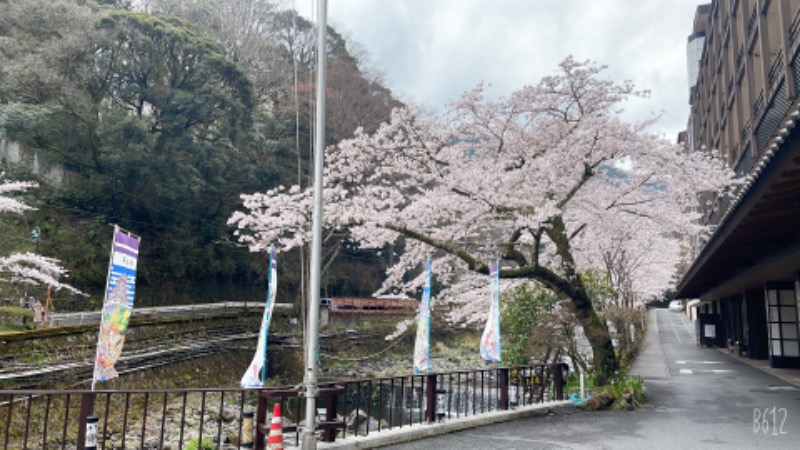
(159, 119)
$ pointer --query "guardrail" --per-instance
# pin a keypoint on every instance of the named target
(238, 418)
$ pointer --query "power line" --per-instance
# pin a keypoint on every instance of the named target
(364, 358)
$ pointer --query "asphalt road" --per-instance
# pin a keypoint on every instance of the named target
(698, 398)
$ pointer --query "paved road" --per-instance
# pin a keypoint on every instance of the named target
(698, 398)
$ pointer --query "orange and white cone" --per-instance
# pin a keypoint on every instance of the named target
(275, 438)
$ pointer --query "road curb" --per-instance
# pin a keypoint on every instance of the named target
(421, 431)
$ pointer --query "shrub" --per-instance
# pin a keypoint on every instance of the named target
(625, 392)
(629, 391)
(206, 445)
(573, 383)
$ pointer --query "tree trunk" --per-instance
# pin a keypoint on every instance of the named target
(603, 356)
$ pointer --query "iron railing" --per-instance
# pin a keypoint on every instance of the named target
(238, 418)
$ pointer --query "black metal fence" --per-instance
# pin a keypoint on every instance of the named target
(238, 418)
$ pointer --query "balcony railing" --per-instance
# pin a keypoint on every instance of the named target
(744, 135)
(775, 71)
(758, 106)
(731, 93)
(726, 33)
(794, 28)
(751, 23)
(740, 63)
(745, 163)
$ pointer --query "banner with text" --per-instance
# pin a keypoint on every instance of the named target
(117, 304)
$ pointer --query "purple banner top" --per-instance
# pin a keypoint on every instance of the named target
(127, 244)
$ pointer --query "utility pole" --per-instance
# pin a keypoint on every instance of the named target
(310, 381)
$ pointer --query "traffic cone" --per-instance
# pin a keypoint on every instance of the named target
(275, 439)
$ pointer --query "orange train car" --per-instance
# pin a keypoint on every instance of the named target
(371, 306)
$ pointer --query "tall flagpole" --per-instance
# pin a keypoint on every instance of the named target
(310, 382)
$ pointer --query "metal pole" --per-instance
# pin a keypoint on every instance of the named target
(309, 439)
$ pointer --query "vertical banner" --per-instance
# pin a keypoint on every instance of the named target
(117, 304)
(256, 372)
(422, 346)
(490, 341)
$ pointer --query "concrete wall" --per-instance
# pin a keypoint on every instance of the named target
(14, 154)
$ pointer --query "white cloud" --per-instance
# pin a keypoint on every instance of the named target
(433, 50)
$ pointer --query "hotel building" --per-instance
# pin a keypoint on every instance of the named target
(744, 68)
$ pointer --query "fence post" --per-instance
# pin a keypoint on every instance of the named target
(87, 409)
(502, 384)
(430, 399)
(558, 380)
(331, 408)
(261, 421)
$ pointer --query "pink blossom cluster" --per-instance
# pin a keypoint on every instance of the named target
(27, 268)
(502, 179)
(9, 204)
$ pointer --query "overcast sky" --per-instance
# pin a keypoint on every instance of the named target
(433, 50)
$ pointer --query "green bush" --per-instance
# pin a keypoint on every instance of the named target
(629, 391)
(14, 318)
(193, 445)
(523, 310)
(625, 392)
(574, 383)
(15, 312)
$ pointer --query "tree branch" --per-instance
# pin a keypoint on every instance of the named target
(511, 253)
(472, 262)
(588, 171)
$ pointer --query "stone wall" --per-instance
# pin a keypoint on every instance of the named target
(15, 154)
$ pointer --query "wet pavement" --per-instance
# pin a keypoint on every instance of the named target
(697, 398)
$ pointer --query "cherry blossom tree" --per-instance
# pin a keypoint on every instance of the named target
(27, 268)
(549, 179)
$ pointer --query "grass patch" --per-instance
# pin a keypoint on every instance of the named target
(11, 328)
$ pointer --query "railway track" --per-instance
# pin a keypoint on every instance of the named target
(141, 355)
(70, 364)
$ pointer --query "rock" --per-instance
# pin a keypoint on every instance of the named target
(229, 415)
(233, 437)
(152, 443)
(599, 401)
(358, 419)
